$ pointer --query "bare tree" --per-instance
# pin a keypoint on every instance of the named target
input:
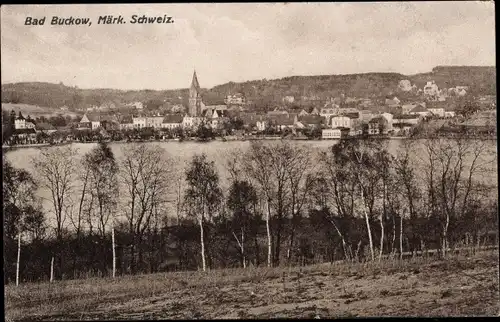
(405, 177)
(449, 166)
(258, 168)
(78, 217)
(335, 186)
(300, 175)
(145, 174)
(360, 156)
(242, 196)
(56, 170)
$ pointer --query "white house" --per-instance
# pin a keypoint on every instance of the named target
(341, 121)
(431, 89)
(331, 134)
(154, 121)
(238, 99)
(261, 122)
(20, 122)
(139, 122)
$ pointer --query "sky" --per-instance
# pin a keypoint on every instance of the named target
(241, 41)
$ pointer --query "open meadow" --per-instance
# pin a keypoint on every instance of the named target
(465, 284)
(35, 111)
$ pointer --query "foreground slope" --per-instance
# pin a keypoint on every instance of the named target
(460, 286)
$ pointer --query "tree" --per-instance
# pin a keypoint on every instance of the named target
(406, 178)
(466, 108)
(20, 204)
(242, 197)
(335, 189)
(449, 167)
(7, 125)
(55, 169)
(299, 174)
(203, 194)
(145, 174)
(359, 155)
(103, 184)
(204, 132)
(280, 173)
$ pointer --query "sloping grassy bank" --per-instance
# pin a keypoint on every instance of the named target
(459, 286)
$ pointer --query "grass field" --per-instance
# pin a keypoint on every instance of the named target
(459, 286)
(35, 111)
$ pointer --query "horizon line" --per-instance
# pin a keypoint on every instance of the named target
(253, 80)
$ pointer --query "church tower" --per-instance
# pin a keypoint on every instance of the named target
(195, 97)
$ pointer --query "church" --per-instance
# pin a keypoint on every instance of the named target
(195, 101)
(214, 114)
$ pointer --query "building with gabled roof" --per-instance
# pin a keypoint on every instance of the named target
(126, 122)
(303, 112)
(395, 102)
(311, 120)
(20, 122)
(89, 122)
(420, 110)
(172, 121)
(283, 121)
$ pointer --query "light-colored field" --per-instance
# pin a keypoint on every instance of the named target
(459, 286)
(35, 110)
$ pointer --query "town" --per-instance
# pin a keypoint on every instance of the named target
(231, 119)
(278, 160)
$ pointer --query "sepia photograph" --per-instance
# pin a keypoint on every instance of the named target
(249, 160)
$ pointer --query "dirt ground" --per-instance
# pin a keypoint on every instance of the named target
(461, 286)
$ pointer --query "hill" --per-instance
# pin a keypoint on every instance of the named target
(307, 90)
(54, 96)
(35, 111)
(480, 79)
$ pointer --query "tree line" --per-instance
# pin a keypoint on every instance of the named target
(285, 204)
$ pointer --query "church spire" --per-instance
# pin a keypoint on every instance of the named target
(194, 82)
